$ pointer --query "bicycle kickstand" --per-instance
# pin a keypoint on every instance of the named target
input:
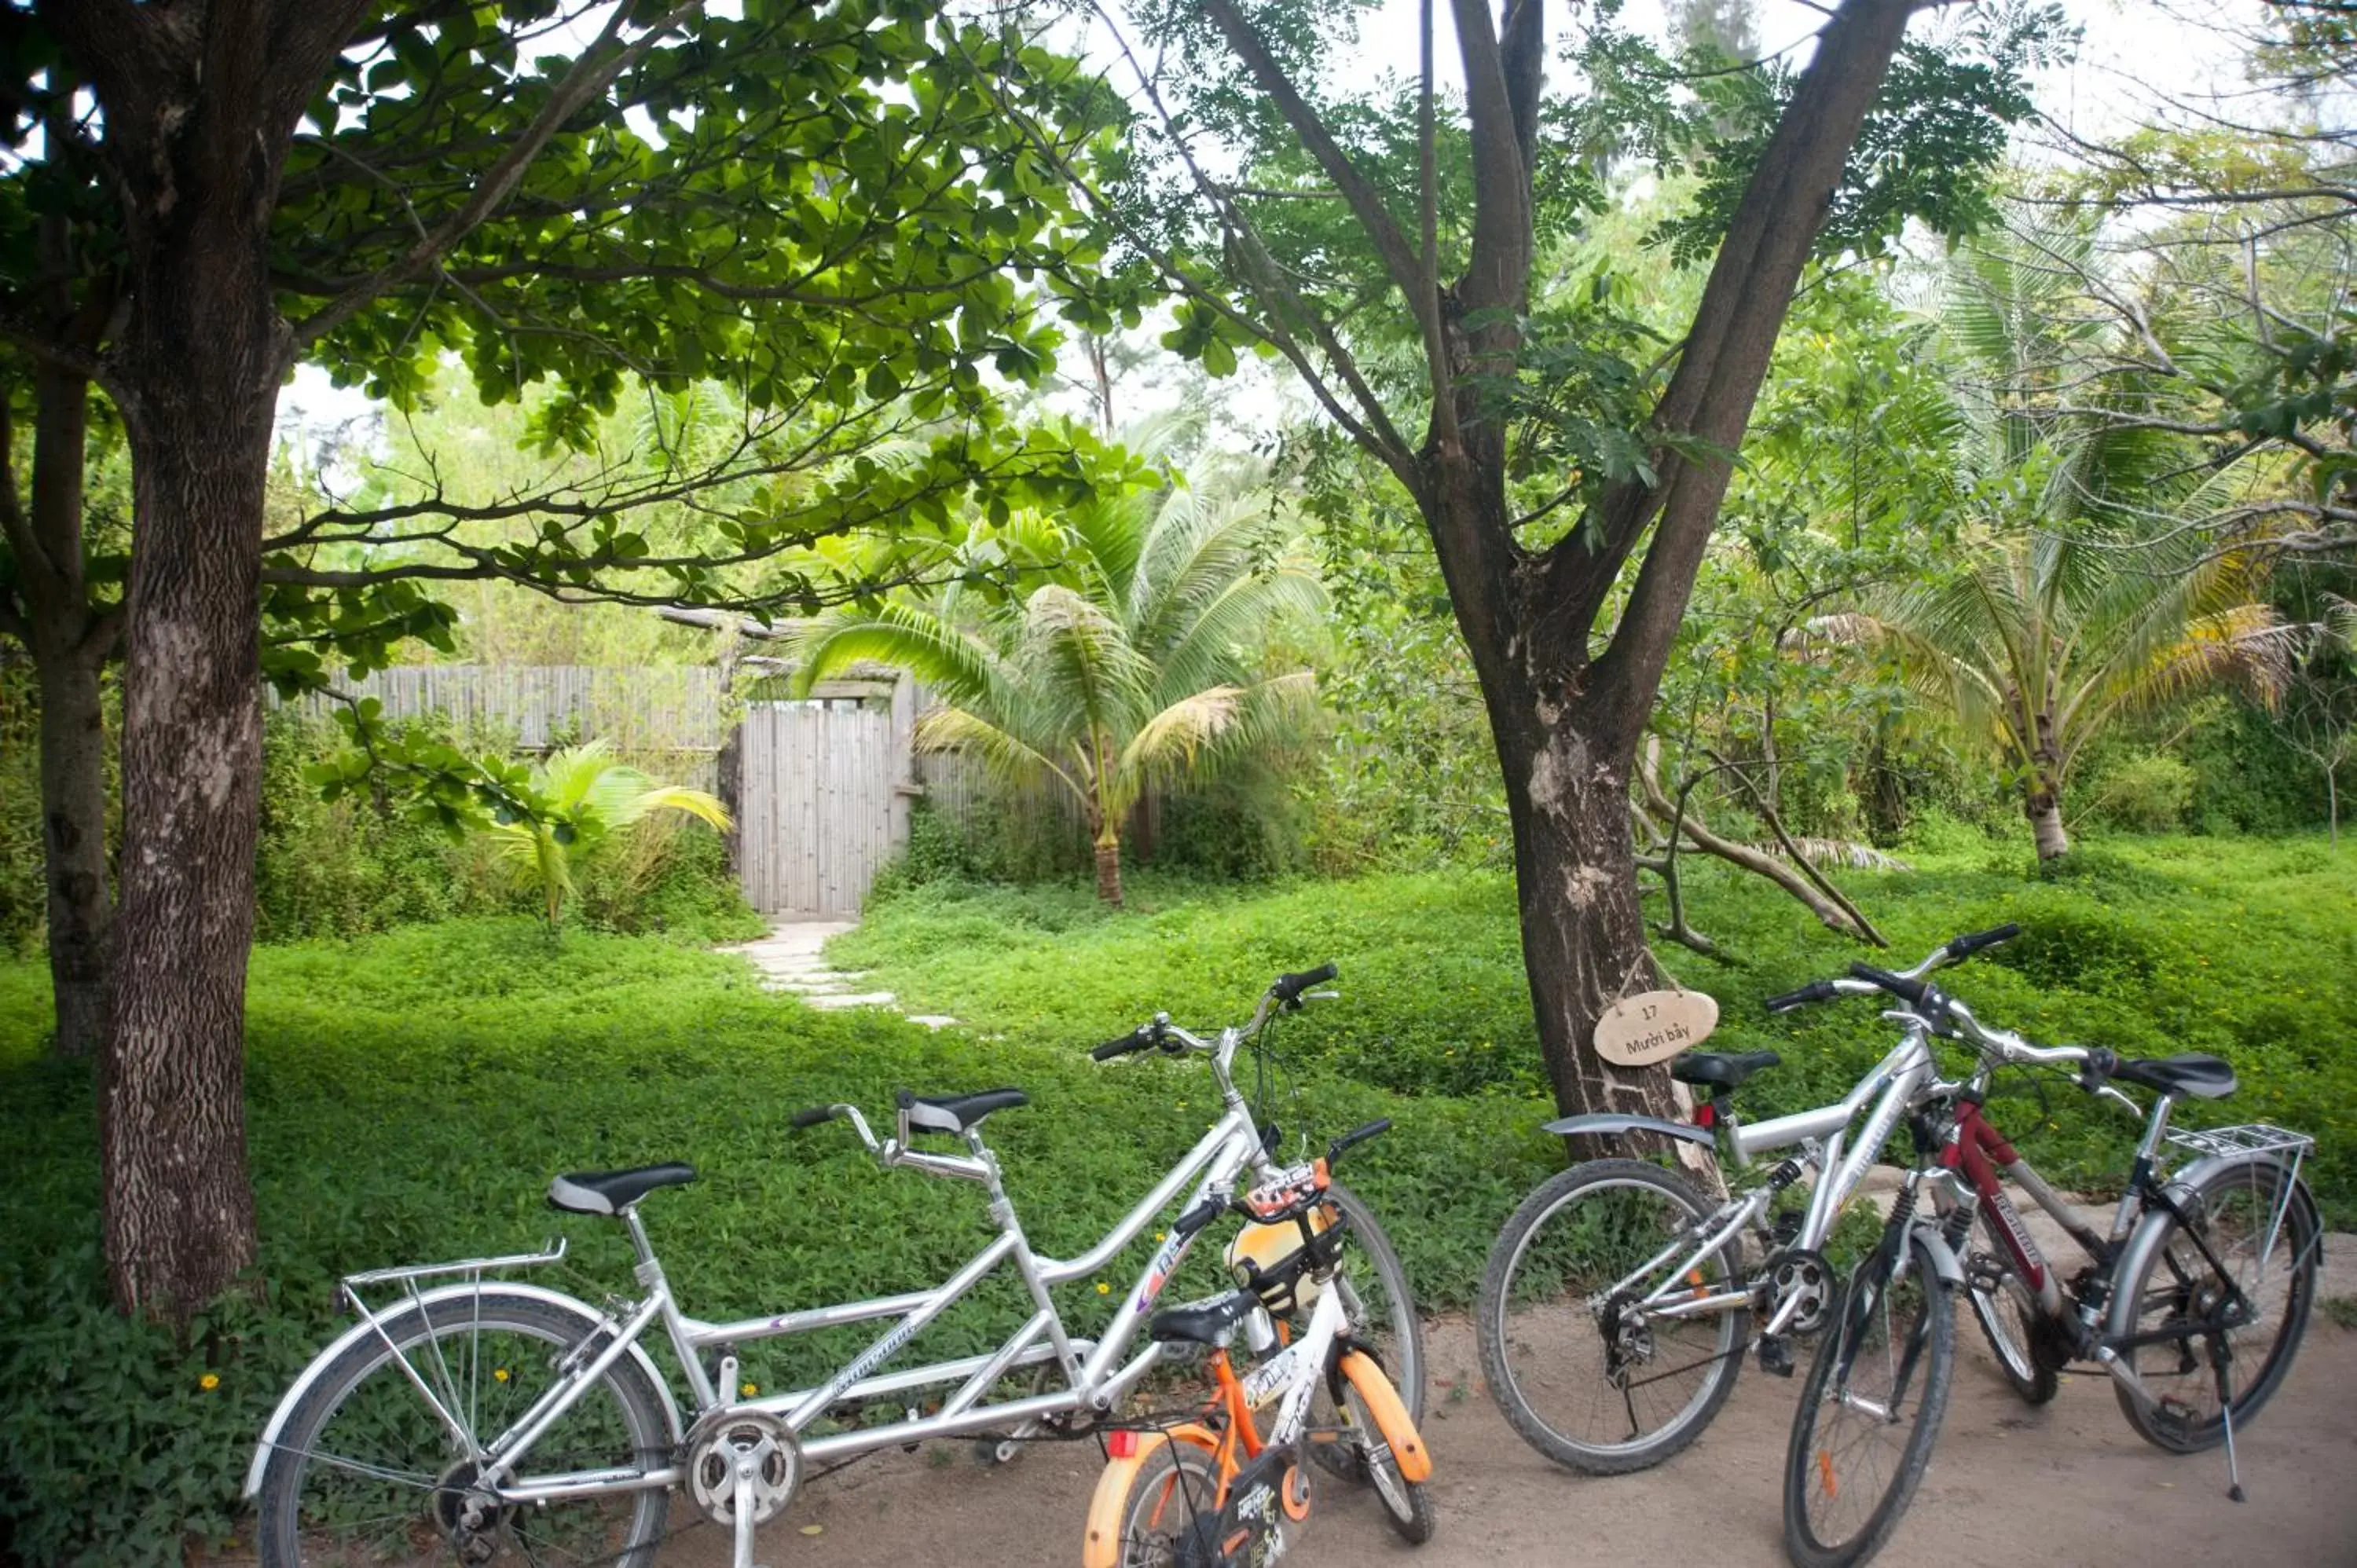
(2226, 1414)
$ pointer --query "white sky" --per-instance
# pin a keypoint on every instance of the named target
(2131, 48)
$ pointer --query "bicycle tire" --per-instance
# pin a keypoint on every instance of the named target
(1395, 1333)
(1925, 1366)
(1407, 1505)
(1172, 1503)
(509, 1341)
(1512, 1279)
(2167, 1285)
(2006, 1313)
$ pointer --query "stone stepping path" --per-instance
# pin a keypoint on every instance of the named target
(790, 960)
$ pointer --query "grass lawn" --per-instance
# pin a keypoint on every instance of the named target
(410, 1094)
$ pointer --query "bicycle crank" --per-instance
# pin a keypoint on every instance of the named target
(743, 1468)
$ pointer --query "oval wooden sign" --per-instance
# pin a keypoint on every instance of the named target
(1641, 1030)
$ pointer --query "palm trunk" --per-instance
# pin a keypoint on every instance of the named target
(2044, 810)
(1108, 851)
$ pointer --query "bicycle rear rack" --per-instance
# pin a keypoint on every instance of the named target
(348, 1289)
(2249, 1138)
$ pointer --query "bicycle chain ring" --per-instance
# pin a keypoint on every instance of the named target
(728, 1440)
(1804, 1277)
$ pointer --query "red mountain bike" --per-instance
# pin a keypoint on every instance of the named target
(2195, 1303)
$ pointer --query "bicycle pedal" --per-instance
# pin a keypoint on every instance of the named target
(1776, 1356)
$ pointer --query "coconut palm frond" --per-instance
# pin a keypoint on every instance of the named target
(961, 667)
(1240, 617)
(2247, 646)
(1002, 753)
(1836, 854)
(1208, 726)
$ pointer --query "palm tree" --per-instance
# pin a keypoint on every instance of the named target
(1138, 661)
(2041, 639)
(591, 799)
(2086, 588)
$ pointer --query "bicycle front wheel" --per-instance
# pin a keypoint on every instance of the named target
(367, 1469)
(1382, 1310)
(2196, 1326)
(1870, 1410)
(2008, 1310)
(1589, 1379)
(1406, 1504)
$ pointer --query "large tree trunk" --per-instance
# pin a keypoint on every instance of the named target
(200, 369)
(1583, 929)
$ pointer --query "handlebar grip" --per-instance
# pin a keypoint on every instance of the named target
(813, 1116)
(1138, 1039)
(1357, 1135)
(1899, 985)
(1289, 987)
(1815, 991)
(1202, 1214)
(1964, 947)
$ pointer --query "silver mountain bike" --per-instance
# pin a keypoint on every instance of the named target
(475, 1420)
(1617, 1303)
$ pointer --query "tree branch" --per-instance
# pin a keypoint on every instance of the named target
(592, 71)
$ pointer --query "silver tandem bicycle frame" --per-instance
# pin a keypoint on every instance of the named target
(1092, 1379)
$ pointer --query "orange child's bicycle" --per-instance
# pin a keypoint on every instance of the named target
(1218, 1491)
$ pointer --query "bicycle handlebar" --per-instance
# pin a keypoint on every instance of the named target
(1289, 987)
(1962, 948)
(814, 1115)
(1141, 1038)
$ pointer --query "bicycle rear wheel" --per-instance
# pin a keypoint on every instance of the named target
(1588, 1380)
(1870, 1410)
(2178, 1301)
(1171, 1515)
(366, 1471)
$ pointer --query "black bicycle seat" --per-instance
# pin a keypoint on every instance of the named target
(1719, 1070)
(610, 1192)
(957, 1112)
(1202, 1321)
(2203, 1077)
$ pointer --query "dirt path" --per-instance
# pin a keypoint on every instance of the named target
(2068, 1486)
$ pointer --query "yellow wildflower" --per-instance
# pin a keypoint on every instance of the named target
(210, 1381)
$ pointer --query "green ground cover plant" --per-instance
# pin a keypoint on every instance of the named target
(2242, 946)
(410, 1094)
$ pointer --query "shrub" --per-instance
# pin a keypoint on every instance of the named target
(2144, 791)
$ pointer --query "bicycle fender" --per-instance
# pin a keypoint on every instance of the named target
(2120, 1320)
(1944, 1262)
(1391, 1416)
(1101, 1547)
(391, 1320)
(1606, 1123)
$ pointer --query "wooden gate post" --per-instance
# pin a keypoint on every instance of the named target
(905, 786)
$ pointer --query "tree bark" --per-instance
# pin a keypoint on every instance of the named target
(73, 843)
(1108, 852)
(1583, 926)
(2044, 810)
(69, 642)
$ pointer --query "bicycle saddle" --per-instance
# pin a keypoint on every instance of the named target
(1721, 1070)
(610, 1192)
(2204, 1077)
(1202, 1321)
(957, 1112)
